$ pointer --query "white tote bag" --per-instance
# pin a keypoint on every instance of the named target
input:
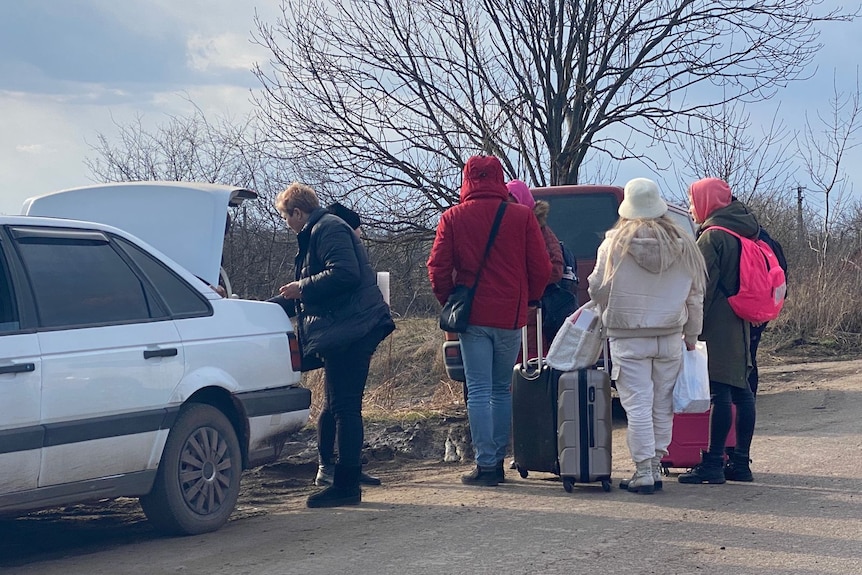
(691, 390)
(578, 342)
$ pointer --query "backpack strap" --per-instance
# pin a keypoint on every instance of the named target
(721, 285)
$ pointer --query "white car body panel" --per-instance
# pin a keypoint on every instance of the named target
(103, 457)
(20, 405)
(98, 372)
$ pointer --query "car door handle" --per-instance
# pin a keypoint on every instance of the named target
(164, 352)
(18, 368)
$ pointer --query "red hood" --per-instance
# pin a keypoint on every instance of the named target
(483, 178)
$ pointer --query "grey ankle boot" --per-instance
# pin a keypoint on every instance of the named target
(641, 481)
(656, 472)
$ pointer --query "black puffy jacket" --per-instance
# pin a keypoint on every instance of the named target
(340, 302)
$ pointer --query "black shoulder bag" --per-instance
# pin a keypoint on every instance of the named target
(456, 311)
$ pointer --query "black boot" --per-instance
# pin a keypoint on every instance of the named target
(709, 470)
(737, 468)
(344, 490)
(485, 476)
(365, 479)
(501, 473)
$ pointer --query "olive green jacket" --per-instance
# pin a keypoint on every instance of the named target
(725, 334)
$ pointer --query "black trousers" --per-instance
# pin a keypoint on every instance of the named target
(340, 421)
(720, 417)
(753, 344)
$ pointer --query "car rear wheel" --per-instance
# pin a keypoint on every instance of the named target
(197, 483)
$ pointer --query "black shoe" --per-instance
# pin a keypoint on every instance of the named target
(501, 473)
(335, 497)
(484, 476)
(709, 470)
(738, 469)
(366, 479)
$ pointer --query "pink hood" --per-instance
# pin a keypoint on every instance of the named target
(708, 195)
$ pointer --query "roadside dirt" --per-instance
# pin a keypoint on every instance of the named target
(808, 438)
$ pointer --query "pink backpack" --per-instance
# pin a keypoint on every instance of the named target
(761, 281)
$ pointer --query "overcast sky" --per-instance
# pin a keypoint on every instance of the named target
(69, 69)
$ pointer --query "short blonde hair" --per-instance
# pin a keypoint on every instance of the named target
(296, 195)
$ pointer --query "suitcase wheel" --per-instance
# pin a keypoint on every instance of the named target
(522, 472)
(606, 484)
(568, 484)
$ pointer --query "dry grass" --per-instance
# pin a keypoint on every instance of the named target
(407, 378)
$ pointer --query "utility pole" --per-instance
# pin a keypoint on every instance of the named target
(800, 230)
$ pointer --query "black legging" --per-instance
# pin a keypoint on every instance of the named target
(346, 371)
(720, 417)
(754, 343)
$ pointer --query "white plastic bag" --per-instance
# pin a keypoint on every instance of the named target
(578, 342)
(691, 390)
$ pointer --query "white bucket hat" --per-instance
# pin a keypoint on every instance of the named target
(641, 200)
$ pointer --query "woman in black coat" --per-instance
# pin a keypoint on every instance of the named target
(341, 319)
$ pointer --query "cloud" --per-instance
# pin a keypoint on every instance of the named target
(30, 148)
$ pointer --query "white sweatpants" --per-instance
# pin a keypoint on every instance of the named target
(645, 369)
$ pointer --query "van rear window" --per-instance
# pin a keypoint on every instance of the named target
(580, 221)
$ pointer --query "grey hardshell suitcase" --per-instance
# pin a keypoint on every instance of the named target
(585, 427)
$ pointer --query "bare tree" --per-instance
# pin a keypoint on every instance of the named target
(823, 148)
(389, 96)
(258, 250)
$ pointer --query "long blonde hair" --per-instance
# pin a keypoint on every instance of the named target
(673, 244)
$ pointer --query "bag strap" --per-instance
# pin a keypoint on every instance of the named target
(721, 285)
(494, 228)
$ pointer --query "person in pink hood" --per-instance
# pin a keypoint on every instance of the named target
(521, 194)
(726, 334)
(513, 278)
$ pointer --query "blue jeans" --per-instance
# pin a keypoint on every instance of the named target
(489, 355)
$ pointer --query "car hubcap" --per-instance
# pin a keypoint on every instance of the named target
(205, 471)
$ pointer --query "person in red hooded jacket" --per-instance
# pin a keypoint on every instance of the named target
(513, 278)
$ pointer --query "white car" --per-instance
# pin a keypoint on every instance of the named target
(122, 373)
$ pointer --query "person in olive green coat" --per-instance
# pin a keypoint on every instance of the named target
(726, 334)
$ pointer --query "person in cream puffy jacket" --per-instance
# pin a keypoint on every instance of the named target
(649, 282)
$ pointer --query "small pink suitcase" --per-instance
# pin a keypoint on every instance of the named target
(690, 436)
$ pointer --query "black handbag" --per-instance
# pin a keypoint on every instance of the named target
(455, 315)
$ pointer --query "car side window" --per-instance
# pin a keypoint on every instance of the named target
(8, 309)
(182, 299)
(78, 279)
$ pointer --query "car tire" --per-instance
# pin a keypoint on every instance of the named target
(197, 483)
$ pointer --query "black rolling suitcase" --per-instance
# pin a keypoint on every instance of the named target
(534, 410)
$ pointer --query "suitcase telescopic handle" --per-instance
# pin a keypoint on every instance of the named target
(525, 358)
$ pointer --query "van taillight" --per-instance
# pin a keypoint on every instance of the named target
(453, 351)
(295, 356)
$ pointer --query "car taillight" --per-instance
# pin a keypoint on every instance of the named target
(450, 336)
(453, 351)
(295, 356)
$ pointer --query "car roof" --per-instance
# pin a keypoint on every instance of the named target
(186, 221)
